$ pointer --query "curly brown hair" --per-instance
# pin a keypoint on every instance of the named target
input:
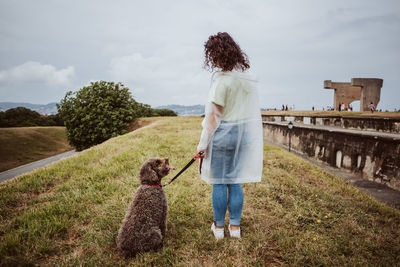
(222, 52)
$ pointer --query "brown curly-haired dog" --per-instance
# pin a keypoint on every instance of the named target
(145, 222)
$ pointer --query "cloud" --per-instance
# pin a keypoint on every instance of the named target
(32, 71)
(173, 77)
(135, 67)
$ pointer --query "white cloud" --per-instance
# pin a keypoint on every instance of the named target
(135, 67)
(165, 78)
(32, 71)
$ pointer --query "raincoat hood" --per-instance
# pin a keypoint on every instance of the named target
(244, 76)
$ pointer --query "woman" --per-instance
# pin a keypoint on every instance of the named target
(232, 131)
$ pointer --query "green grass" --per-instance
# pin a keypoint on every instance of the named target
(23, 145)
(299, 215)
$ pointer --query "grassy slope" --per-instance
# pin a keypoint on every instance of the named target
(26, 144)
(69, 213)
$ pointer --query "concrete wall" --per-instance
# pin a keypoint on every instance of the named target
(381, 124)
(375, 158)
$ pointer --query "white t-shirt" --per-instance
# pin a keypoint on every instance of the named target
(235, 92)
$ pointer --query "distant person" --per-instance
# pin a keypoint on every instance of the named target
(231, 139)
(313, 108)
(286, 108)
(372, 107)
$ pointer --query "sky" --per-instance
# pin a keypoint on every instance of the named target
(156, 48)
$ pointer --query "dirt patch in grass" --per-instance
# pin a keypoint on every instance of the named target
(139, 124)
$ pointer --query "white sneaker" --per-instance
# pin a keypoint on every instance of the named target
(218, 233)
(234, 233)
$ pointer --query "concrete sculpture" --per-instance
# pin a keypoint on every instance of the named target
(367, 90)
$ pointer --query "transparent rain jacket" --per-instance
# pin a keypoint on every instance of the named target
(232, 130)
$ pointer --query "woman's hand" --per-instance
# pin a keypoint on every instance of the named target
(202, 155)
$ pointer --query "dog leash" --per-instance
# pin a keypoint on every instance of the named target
(184, 168)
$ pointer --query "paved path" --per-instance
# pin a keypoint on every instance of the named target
(9, 174)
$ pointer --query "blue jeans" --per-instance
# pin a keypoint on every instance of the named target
(229, 144)
(221, 199)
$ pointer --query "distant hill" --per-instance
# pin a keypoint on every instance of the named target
(181, 110)
(47, 109)
(51, 108)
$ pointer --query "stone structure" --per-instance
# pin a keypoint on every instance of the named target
(376, 124)
(374, 156)
(366, 90)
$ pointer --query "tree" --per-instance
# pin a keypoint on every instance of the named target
(20, 116)
(145, 110)
(163, 112)
(96, 113)
(54, 120)
(3, 121)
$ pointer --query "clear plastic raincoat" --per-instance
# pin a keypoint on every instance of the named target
(232, 130)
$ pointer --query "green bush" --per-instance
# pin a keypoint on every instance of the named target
(146, 111)
(163, 112)
(53, 120)
(96, 113)
(23, 117)
(20, 116)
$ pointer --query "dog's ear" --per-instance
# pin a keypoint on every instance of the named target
(147, 174)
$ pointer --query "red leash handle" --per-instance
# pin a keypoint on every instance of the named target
(198, 155)
(184, 168)
(201, 160)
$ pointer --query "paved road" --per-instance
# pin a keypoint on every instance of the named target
(9, 174)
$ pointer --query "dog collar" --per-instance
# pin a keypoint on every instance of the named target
(154, 185)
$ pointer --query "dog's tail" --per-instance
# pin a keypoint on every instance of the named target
(141, 242)
(152, 239)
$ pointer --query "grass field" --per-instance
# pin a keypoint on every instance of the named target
(23, 145)
(69, 212)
